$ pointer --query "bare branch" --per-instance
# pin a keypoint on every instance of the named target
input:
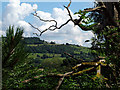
(77, 21)
(52, 27)
(78, 65)
(61, 79)
(35, 27)
(69, 13)
(36, 34)
(93, 9)
(55, 26)
(80, 72)
(69, 4)
(35, 14)
(48, 75)
(64, 24)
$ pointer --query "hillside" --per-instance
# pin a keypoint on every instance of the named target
(42, 49)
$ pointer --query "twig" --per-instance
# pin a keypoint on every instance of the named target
(69, 4)
(35, 27)
(43, 19)
(51, 28)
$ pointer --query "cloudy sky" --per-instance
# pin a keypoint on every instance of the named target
(18, 13)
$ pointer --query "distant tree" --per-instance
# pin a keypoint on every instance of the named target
(52, 42)
(67, 44)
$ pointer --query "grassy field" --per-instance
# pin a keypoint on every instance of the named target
(35, 55)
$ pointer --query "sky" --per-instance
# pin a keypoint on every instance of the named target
(17, 13)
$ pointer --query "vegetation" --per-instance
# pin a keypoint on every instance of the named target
(25, 58)
(106, 16)
(59, 66)
(14, 58)
(104, 21)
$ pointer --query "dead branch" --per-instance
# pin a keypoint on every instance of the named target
(80, 72)
(69, 4)
(54, 26)
(78, 65)
(61, 79)
(49, 75)
(35, 27)
(51, 28)
(94, 9)
(69, 14)
(35, 14)
(78, 21)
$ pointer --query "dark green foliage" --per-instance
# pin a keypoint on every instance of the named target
(33, 40)
(83, 81)
(13, 54)
(45, 83)
(52, 42)
(12, 48)
(69, 62)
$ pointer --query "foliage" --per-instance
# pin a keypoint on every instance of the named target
(83, 81)
(47, 55)
(11, 47)
(107, 36)
(13, 55)
(33, 40)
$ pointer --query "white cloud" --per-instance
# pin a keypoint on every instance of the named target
(16, 13)
(35, 7)
(27, 28)
(44, 15)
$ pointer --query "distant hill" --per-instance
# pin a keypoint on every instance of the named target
(35, 45)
